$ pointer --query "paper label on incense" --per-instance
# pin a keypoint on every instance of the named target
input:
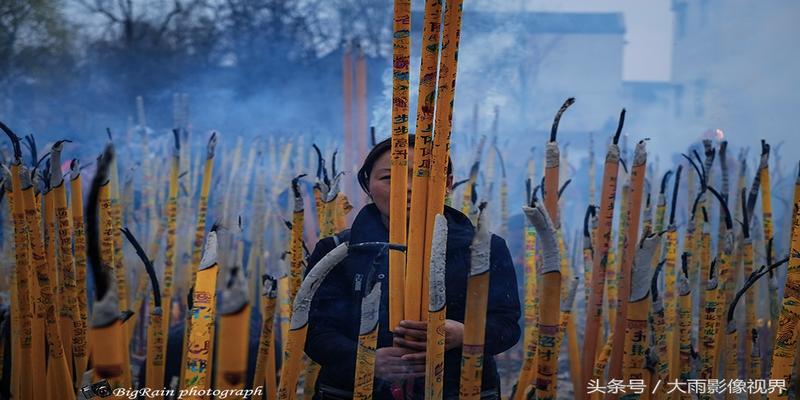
(333, 191)
(640, 154)
(480, 247)
(546, 233)
(302, 302)
(370, 310)
(641, 274)
(436, 284)
(56, 178)
(210, 254)
(552, 155)
(612, 155)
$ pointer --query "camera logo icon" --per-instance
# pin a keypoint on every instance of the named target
(97, 389)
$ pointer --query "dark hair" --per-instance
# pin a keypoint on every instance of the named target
(378, 150)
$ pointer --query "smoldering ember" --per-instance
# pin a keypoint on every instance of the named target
(438, 199)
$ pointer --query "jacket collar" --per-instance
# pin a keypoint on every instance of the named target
(368, 227)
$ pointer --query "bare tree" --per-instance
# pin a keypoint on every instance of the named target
(132, 21)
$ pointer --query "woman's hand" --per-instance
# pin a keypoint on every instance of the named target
(414, 335)
(391, 364)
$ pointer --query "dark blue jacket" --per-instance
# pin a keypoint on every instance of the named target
(334, 317)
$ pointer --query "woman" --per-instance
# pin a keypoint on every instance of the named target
(400, 356)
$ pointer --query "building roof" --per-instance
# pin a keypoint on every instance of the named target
(539, 22)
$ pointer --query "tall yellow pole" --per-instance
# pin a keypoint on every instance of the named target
(788, 329)
(25, 297)
(234, 328)
(70, 328)
(80, 344)
(367, 341)
(475, 312)
(437, 311)
(437, 187)
(106, 331)
(636, 329)
(548, 326)
(266, 343)
(423, 147)
(631, 239)
(401, 53)
(204, 311)
(602, 238)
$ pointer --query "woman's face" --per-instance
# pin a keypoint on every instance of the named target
(380, 182)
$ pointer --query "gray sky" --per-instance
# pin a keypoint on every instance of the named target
(648, 50)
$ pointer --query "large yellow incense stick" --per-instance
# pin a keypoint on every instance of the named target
(8, 231)
(526, 372)
(367, 341)
(116, 215)
(658, 348)
(589, 227)
(727, 278)
(568, 320)
(49, 232)
(709, 328)
(437, 311)
(23, 275)
(602, 237)
(202, 206)
(412, 297)
(156, 344)
(265, 344)
(106, 335)
(788, 329)
(636, 330)
(568, 329)
(296, 268)
(234, 328)
(550, 278)
(59, 379)
(80, 340)
(469, 188)
(70, 328)
(172, 214)
(631, 239)
(293, 350)
(437, 187)
(475, 312)
(665, 348)
(347, 106)
(401, 53)
(766, 211)
(661, 211)
(330, 202)
(615, 267)
(199, 355)
(685, 325)
(503, 195)
(361, 121)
